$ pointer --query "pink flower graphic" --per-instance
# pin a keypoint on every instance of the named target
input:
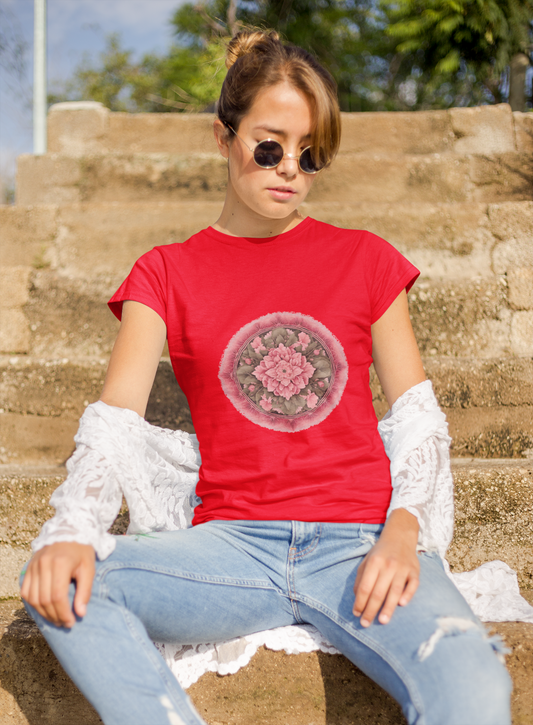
(258, 345)
(311, 399)
(304, 339)
(284, 372)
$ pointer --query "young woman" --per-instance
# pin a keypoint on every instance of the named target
(272, 321)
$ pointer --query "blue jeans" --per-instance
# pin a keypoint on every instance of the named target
(228, 578)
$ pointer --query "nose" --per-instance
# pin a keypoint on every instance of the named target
(288, 165)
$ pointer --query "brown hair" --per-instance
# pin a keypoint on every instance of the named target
(258, 60)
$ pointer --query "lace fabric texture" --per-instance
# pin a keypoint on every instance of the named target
(118, 453)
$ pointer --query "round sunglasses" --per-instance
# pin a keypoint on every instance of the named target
(268, 154)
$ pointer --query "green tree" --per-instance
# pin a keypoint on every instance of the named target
(450, 41)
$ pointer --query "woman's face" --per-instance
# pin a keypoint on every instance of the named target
(284, 114)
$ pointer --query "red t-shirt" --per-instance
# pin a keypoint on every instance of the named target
(270, 341)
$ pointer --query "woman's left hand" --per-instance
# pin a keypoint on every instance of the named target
(389, 573)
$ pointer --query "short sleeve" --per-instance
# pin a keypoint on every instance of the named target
(388, 273)
(145, 283)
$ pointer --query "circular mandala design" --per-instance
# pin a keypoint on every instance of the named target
(284, 371)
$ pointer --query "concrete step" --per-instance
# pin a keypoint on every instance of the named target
(41, 403)
(62, 317)
(494, 512)
(78, 129)
(304, 689)
(445, 241)
(493, 515)
(364, 177)
(489, 405)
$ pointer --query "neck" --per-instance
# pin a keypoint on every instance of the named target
(238, 220)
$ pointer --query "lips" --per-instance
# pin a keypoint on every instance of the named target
(282, 192)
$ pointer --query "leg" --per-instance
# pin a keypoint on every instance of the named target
(433, 657)
(190, 586)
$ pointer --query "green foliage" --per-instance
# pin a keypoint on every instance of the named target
(448, 39)
(386, 55)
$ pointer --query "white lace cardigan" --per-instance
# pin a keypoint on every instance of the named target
(119, 453)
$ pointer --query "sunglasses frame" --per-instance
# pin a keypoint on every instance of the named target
(285, 156)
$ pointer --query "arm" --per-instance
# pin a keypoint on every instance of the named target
(128, 383)
(388, 575)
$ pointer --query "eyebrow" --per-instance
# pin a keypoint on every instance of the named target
(276, 132)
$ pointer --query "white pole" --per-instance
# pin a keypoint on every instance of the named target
(39, 77)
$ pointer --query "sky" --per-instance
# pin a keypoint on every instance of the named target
(75, 28)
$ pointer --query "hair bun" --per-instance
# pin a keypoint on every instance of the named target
(246, 41)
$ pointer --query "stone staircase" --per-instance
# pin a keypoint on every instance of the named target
(452, 190)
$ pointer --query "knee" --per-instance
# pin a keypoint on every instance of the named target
(472, 686)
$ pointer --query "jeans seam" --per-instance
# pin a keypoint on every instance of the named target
(155, 658)
(312, 546)
(374, 646)
(247, 583)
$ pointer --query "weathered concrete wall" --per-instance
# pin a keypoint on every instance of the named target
(78, 129)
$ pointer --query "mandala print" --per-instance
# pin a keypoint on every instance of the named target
(284, 371)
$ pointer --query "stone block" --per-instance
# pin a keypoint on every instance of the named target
(77, 128)
(522, 333)
(107, 238)
(14, 283)
(523, 123)
(461, 319)
(12, 559)
(445, 241)
(501, 177)
(483, 130)
(48, 179)
(34, 439)
(520, 280)
(155, 177)
(512, 225)
(26, 232)
(493, 516)
(167, 133)
(14, 331)
(424, 132)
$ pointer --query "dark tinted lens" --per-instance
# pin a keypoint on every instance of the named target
(268, 154)
(307, 164)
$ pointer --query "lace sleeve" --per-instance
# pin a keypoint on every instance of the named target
(86, 504)
(118, 452)
(415, 436)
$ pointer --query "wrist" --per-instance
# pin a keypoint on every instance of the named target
(402, 524)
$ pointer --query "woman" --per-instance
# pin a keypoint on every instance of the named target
(272, 321)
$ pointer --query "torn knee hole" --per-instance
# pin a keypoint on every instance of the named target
(454, 626)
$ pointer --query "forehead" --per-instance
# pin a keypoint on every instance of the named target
(281, 108)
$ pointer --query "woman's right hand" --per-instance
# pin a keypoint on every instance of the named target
(48, 576)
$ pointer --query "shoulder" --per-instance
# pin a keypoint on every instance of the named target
(164, 254)
(361, 239)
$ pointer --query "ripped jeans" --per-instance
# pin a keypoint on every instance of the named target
(223, 579)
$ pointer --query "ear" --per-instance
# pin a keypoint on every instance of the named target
(222, 137)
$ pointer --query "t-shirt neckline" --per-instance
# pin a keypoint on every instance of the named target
(260, 242)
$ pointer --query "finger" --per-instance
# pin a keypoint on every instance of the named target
(60, 602)
(44, 590)
(376, 599)
(84, 581)
(410, 589)
(396, 590)
(365, 587)
(356, 585)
